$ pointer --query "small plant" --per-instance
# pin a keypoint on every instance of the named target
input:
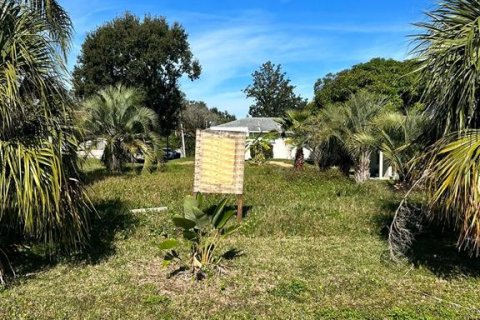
(261, 146)
(203, 231)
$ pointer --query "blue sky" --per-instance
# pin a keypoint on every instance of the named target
(310, 38)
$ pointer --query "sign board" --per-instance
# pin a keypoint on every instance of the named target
(219, 162)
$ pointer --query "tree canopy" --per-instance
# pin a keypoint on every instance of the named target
(146, 53)
(392, 78)
(355, 125)
(272, 92)
(448, 48)
(197, 115)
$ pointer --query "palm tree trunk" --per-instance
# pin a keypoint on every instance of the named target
(114, 163)
(362, 167)
(299, 159)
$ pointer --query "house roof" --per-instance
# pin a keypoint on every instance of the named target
(254, 124)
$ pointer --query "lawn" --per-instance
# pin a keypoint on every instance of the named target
(312, 246)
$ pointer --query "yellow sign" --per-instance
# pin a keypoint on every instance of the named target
(219, 162)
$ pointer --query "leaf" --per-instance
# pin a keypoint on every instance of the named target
(223, 218)
(166, 263)
(190, 235)
(204, 221)
(231, 229)
(191, 209)
(200, 200)
(218, 210)
(168, 244)
(188, 204)
(184, 223)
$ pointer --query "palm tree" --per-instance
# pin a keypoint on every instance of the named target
(355, 125)
(400, 140)
(41, 196)
(294, 123)
(116, 115)
(448, 51)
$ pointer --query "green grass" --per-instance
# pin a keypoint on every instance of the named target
(313, 247)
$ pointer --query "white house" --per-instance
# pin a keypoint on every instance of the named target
(255, 126)
(92, 148)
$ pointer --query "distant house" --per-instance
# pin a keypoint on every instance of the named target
(255, 126)
(92, 148)
(379, 169)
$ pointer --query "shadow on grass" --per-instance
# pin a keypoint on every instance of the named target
(434, 248)
(99, 174)
(245, 210)
(437, 251)
(112, 221)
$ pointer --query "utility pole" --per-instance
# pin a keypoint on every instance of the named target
(182, 133)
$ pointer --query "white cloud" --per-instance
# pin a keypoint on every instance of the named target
(230, 52)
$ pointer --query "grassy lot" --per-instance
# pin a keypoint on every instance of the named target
(313, 247)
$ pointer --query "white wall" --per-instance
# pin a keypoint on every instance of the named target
(281, 150)
(93, 152)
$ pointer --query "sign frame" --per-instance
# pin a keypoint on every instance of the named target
(220, 164)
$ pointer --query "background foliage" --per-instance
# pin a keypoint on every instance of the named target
(395, 79)
(145, 53)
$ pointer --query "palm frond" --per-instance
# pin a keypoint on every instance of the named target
(453, 168)
(41, 196)
(449, 57)
(116, 114)
(58, 22)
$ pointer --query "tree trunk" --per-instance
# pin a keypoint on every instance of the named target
(299, 159)
(2, 274)
(362, 167)
(114, 161)
(115, 165)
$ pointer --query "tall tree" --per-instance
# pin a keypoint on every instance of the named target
(272, 92)
(197, 115)
(149, 54)
(295, 123)
(395, 79)
(448, 51)
(401, 144)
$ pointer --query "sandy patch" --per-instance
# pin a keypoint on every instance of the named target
(281, 164)
(185, 163)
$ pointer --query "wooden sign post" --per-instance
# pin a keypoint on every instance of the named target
(219, 164)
